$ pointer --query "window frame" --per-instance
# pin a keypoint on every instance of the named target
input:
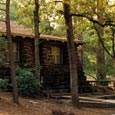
(16, 52)
(57, 55)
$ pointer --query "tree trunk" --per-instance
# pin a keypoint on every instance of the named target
(36, 43)
(11, 54)
(100, 58)
(72, 55)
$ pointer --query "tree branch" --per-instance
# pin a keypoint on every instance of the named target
(2, 3)
(89, 18)
(54, 2)
(101, 41)
(2, 9)
(106, 23)
(113, 42)
(2, 20)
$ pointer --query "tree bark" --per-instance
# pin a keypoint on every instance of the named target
(11, 55)
(36, 43)
(100, 58)
(72, 55)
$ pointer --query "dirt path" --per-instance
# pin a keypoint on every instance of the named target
(44, 107)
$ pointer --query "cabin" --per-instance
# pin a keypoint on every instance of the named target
(53, 57)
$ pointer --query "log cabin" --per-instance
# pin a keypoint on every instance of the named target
(54, 59)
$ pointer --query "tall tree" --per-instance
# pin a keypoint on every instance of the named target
(72, 53)
(37, 36)
(50, 21)
(105, 17)
(11, 54)
(100, 58)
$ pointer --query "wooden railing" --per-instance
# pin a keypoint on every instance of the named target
(108, 82)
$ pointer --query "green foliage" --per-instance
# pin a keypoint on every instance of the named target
(51, 22)
(27, 83)
(1, 56)
(110, 66)
(3, 83)
(13, 10)
(3, 45)
(89, 63)
(59, 31)
(3, 42)
(45, 27)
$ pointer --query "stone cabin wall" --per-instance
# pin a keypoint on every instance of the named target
(54, 76)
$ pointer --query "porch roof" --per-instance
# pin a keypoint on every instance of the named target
(20, 30)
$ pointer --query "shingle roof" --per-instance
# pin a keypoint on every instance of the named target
(20, 30)
(16, 29)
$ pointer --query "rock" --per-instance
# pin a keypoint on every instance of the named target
(58, 112)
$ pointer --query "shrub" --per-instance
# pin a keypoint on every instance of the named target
(26, 82)
(3, 83)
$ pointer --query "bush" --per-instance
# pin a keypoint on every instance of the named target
(3, 83)
(26, 82)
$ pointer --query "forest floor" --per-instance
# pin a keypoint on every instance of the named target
(45, 107)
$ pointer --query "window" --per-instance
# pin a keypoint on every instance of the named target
(3, 56)
(16, 51)
(56, 57)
